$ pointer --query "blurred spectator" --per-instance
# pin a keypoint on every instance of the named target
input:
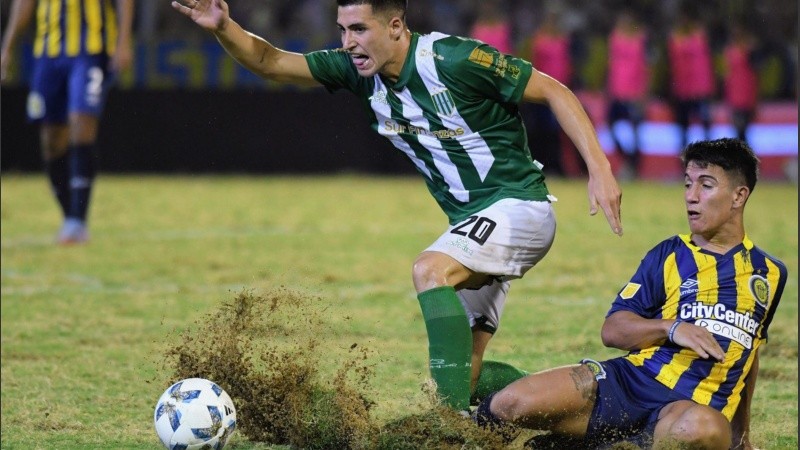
(550, 53)
(551, 49)
(493, 27)
(628, 82)
(741, 80)
(691, 70)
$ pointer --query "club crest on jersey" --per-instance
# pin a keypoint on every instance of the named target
(629, 290)
(481, 58)
(597, 369)
(759, 287)
(443, 102)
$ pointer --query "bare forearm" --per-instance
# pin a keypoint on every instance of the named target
(627, 331)
(576, 124)
(246, 48)
(125, 19)
(19, 17)
(262, 58)
(254, 53)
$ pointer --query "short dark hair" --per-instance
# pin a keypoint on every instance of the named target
(733, 155)
(380, 6)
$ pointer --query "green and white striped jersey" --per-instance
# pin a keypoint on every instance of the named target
(454, 112)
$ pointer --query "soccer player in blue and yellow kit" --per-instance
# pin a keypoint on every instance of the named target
(78, 48)
(692, 318)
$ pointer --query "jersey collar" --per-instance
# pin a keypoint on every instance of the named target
(747, 244)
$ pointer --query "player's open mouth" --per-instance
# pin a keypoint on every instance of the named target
(359, 60)
(693, 214)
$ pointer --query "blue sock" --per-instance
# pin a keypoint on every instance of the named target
(81, 178)
(58, 171)
(486, 419)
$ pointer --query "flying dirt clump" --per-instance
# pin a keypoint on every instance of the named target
(266, 352)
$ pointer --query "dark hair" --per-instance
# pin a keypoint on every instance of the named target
(380, 6)
(733, 155)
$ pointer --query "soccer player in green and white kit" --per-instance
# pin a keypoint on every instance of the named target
(451, 105)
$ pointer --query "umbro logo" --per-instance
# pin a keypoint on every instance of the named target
(689, 287)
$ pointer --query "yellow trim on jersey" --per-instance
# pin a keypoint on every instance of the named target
(638, 359)
(774, 278)
(41, 28)
(736, 395)
(672, 372)
(73, 26)
(54, 29)
(94, 27)
(672, 288)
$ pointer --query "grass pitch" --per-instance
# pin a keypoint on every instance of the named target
(90, 333)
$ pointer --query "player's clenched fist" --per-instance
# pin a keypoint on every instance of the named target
(212, 15)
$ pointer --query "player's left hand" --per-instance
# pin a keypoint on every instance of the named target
(698, 339)
(605, 193)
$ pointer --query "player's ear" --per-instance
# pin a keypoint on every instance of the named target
(740, 196)
(396, 28)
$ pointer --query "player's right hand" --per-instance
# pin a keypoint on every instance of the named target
(212, 15)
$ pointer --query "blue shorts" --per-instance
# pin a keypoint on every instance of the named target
(628, 401)
(68, 84)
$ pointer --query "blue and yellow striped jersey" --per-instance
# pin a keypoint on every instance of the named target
(733, 295)
(75, 27)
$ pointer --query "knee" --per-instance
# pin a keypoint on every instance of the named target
(509, 405)
(702, 427)
(432, 270)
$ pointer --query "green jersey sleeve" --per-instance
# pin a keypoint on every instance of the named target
(333, 69)
(480, 68)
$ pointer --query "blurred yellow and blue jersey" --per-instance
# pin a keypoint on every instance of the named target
(734, 296)
(75, 27)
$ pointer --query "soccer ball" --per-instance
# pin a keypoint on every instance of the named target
(194, 413)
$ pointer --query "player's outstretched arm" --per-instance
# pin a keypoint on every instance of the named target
(603, 188)
(249, 50)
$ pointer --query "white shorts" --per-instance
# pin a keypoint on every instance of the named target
(504, 240)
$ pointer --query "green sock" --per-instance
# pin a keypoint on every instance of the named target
(495, 376)
(449, 344)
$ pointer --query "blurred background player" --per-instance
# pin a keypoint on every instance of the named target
(741, 78)
(552, 52)
(78, 48)
(628, 84)
(691, 70)
(693, 318)
(493, 26)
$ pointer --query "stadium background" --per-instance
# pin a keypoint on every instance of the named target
(185, 106)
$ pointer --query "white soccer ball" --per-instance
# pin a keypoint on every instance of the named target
(194, 413)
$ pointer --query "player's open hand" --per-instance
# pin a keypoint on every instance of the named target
(698, 339)
(212, 15)
(605, 193)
